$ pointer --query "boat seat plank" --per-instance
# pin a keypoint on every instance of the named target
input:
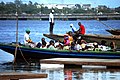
(83, 61)
(17, 76)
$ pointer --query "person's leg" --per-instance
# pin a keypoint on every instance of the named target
(51, 28)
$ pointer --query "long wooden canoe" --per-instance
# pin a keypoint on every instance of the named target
(114, 31)
(89, 38)
(37, 53)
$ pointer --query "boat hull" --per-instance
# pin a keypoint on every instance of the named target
(35, 53)
(100, 38)
(114, 32)
(59, 37)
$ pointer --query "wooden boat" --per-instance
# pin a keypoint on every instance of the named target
(59, 37)
(37, 53)
(89, 38)
(114, 31)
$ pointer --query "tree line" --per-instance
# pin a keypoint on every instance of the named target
(31, 8)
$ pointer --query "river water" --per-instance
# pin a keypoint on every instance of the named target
(55, 72)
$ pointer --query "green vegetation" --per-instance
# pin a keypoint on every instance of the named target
(31, 8)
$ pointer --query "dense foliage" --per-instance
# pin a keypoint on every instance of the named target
(31, 8)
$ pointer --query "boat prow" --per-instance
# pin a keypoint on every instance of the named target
(114, 31)
(59, 37)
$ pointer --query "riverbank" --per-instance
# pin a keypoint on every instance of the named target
(61, 17)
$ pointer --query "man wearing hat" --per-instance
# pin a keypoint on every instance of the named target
(27, 40)
(51, 21)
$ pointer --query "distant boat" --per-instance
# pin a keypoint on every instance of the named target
(103, 19)
(114, 31)
(37, 53)
(89, 38)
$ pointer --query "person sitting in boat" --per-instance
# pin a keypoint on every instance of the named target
(57, 42)
(73, 28)
(27, 39)
(58, 45)
(81, 28)
(51, 45)
(83, 45)
(38, 45)
(80, 31)
(66, 43)
(112, 46)
(103, 42)
(70, 37)
(72, 46)
(78, 45)
(96, 48)
(44, 43)
(41, 44)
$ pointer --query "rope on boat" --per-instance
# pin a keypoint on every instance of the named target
(15, 54)
(24, 57)
(106, 25)
(17, 45)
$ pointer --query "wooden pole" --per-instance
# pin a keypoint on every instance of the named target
(16, 37)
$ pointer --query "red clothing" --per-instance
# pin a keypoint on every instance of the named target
(82, 29)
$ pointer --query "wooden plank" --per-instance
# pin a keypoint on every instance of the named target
(83, 61)
(17, 76)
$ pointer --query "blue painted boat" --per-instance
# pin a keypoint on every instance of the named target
(37, 53)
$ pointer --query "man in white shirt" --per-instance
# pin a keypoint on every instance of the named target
(51, 21)
(27, 40)
(73, 28)
(26, 37)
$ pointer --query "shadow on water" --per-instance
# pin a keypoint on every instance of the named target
(19, 66)
(7, 65)
(64, 73)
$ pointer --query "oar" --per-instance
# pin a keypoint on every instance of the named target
(106, 25)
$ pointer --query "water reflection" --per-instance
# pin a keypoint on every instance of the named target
(92, 74)
(67, 74)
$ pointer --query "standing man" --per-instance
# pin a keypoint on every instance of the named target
(82, 28)
(51, 21)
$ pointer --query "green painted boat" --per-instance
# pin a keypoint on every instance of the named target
(37, 53)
